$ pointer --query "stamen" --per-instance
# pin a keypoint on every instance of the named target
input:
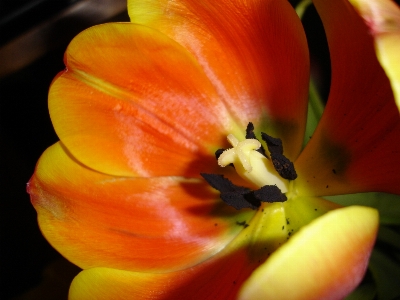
(269, 193)
(274, 144)
(250, 135)
(282, 164)
(231, 194)
(250, 131)
(240, 197)
(251, 163)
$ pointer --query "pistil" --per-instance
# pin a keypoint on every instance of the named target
(250, 164)
(271, 175)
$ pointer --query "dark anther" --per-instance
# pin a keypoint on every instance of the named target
(269, 193)
(250, 135)
(231, 194)
(274, 144)
(281, 163)
(240, 197)
(250, 131)
(284, 166)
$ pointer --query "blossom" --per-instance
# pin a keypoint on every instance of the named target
(383, 20)
(140, 111)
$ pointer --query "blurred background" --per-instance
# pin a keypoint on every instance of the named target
(33, 37)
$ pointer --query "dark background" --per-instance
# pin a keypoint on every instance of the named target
(26, 131)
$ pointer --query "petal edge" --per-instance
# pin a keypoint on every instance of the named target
(351, 234)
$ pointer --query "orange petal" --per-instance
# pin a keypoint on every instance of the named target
(356, 145)
(221, 276)
(254, 53)
(217, 278)
(383, 19)
(142, 224)
(134, 102)
(326, 259)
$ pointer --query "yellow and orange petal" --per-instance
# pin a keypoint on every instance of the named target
(133, 102)
(383, 19)
(139, 224)
(254, 53)
(218, 278)
(355, 147)
(326, 259)
(331, 239)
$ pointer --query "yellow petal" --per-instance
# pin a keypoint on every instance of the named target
(325, 260)
(383, 19)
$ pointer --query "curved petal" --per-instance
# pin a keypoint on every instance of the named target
(133, 102)
(383, 19)
(326, 259)
(142, 224)
(254, 52)
(218, 278)
(356, 145)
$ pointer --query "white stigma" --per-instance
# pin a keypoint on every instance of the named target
(251, 164)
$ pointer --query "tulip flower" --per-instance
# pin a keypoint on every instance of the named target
(180, 171)
(383, 20)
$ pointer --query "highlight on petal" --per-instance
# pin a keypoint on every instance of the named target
(355, 147)
(133, 102)
(383, 19)
(254, 53)
(326, 259)
(138, 224)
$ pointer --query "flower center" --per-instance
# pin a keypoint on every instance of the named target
(270, 173)
(251, 165)
(280, 210)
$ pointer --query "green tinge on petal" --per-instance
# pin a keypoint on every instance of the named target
(314, 113)
(325, 259)
(300, 211)
(275, 223)
(383, 19)
(302, 6)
